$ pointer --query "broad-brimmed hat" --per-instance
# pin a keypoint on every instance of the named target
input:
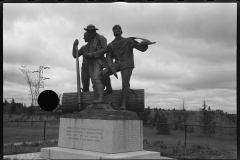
(90, 27)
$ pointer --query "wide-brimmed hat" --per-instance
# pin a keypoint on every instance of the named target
(90, 27)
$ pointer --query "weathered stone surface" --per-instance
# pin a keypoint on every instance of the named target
(106, 136)
(103, 112)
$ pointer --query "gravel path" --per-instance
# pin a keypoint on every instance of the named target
(24, 156)
(35, 156)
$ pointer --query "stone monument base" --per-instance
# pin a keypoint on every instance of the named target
(105, 136)
(100, 132)
(67, 153)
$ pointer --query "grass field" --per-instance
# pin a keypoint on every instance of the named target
(24, 132)
(221, 146)
(222, 142)
(166, 144)
(14, 132)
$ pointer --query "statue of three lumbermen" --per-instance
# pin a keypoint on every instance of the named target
(99, 68)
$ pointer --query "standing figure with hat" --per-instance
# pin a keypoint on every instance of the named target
(121, 49)
(94, 54)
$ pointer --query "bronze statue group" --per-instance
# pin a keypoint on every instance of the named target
(98, 64)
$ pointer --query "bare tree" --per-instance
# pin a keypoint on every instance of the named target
(39, 83)
(34, 86)
(26, 72)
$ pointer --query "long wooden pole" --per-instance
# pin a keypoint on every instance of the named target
(78, 79)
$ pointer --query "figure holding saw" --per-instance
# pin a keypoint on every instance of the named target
(121, 49)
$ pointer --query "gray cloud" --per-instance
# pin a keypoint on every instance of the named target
(155, 76)
(190, 38)
(13, 75)
(214, 23)
(209, 80)
(192, 80)
(210, 54)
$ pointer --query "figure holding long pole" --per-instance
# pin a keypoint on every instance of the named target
(94, 52)
(78, 78)
(84, 74)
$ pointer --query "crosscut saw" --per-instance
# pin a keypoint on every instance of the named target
(145, 41)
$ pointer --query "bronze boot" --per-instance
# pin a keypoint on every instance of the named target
(108, 89)
(124, 103)
(95, 93)
(107, 83)
(99, 94)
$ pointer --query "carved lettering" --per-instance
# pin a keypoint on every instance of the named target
(121, 139)
(85, 134)
(135, 137)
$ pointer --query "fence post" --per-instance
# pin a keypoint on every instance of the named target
(44, 130)
(185, 126)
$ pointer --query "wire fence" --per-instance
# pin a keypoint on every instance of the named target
(165, 135)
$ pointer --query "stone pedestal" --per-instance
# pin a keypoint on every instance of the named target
(107, 138)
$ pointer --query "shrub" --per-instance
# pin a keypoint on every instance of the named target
(159, 144)
(190, 129)
(163, 127)
(176, 148)
(207, 118)
(36, 144)
(145, 141)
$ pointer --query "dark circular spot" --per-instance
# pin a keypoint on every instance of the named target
(48, 100)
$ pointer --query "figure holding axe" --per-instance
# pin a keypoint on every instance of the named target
(94, 52)
(84, 74)
(85, 77)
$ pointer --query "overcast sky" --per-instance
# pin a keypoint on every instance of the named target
(194, 56)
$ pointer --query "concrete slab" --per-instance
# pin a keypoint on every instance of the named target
(66, 153)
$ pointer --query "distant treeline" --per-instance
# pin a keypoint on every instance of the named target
(13, 107)
(149, 115)
(205, 118)
(185, 116)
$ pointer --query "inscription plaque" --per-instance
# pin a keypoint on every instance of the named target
(135, 136)
(85, 134)
(107, 136)
(120, 136)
